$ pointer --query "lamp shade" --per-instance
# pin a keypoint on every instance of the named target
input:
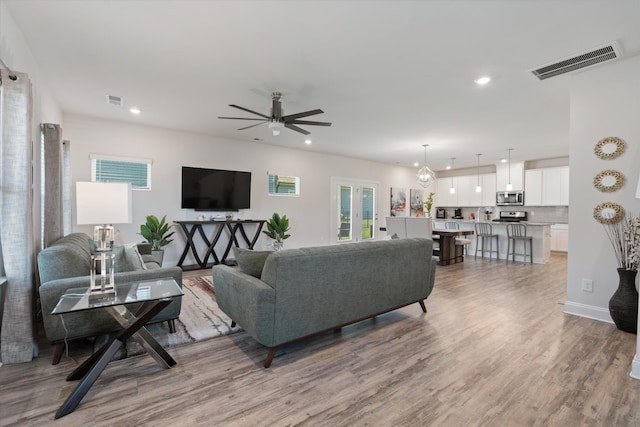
(103, 203)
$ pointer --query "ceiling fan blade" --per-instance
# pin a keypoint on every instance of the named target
(240, 118)
(296, 128)
(249, 111)
(291, 117)
(308, 122)
(250, 126)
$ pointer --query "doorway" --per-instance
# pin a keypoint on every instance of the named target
(354, 214)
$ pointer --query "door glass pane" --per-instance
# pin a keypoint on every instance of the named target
(367, 203)
(345, 212)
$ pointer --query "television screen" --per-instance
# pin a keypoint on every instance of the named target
(215, 189)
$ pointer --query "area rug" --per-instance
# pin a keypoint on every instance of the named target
(200, 319)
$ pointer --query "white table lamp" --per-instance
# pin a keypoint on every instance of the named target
(105, 203)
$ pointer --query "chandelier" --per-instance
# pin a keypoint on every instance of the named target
(425, 175)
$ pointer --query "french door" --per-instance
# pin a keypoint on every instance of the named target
(354, 214)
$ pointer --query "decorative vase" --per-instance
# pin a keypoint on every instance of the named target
(277, 245)
(623, 305)
(158, 255)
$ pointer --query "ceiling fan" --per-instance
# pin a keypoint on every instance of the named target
(276, 120)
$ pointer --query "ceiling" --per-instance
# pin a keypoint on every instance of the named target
(390, 75)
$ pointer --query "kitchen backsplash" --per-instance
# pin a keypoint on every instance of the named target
(550, 214)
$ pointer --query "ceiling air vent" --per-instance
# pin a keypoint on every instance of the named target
(607, 52)
(114, 100)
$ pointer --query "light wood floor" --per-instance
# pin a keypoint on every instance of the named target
(494, 349)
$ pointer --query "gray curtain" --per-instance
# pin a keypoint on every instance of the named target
(53, 218)
(17, 339)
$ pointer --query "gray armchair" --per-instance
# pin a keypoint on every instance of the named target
(66, 264)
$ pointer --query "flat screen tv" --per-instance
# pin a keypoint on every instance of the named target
(215, 189)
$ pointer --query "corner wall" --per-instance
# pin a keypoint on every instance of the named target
(605, 102)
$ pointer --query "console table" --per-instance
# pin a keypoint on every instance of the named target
(190, 228)
(154, 296)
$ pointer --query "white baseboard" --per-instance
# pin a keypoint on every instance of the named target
(635, 367)
(588, 311)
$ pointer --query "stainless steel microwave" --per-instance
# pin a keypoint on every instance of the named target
(510, 198)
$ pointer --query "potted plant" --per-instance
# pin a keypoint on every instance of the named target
(157, 233)
(624, 235)
(277, 227)
(428, 204)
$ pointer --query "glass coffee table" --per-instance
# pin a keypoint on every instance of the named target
(152, 295)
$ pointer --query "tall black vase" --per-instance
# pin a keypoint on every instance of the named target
(623, 305)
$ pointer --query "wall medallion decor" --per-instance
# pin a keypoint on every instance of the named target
(609, 148)
(609, 181)
(608, 213)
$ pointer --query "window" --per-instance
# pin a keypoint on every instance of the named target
(121, 169)
(282, 185)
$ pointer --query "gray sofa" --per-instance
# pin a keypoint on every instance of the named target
(302, 292)
(67, 263)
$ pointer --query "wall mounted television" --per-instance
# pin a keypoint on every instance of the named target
(215, 189)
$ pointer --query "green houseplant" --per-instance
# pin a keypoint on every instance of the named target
(428, 204)
(277, 227)
(157, 232)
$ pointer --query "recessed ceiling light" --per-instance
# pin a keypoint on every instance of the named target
(448, 167)
(135, 110)
(503, 160)
(483, 80)
(307, 141)
(416, 164)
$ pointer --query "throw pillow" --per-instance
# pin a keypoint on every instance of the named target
(251, 262)
(134, 259)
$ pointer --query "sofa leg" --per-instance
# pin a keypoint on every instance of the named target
(58, 349)
(270, 356)
(172, 326)
(424, 309)
(233, 323)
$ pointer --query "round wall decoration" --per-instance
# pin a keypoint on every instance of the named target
(608, 181)
(608, 213)
(609, 148)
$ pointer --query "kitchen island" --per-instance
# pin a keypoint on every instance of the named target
(541, 233)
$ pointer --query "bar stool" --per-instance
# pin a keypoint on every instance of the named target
(484, 231)
(515, 233)
(452, 225)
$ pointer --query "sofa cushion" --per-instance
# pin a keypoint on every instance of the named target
(134, 259)
(251, 262)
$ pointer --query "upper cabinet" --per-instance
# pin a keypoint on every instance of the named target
(465, 191)
(547, 187)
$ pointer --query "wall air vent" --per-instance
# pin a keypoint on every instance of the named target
(114, 100)
(607, 52)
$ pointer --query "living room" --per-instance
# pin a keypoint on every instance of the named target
(589, 118)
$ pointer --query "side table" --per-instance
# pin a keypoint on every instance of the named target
(154, 296)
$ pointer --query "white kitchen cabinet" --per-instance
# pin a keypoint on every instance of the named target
(443, 197)
(547, 187)
(533, 187)
(489, 189)
(467, 196)
(560, 237)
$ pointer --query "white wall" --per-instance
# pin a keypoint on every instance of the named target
(309, 214)
(605, 102)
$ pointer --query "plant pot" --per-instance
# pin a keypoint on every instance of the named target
(158, 255)
(623, 305)
(277, 245)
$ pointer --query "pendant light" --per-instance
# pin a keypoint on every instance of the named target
(452, 190)
(509, 186)
(425, 175)
(478, 187)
